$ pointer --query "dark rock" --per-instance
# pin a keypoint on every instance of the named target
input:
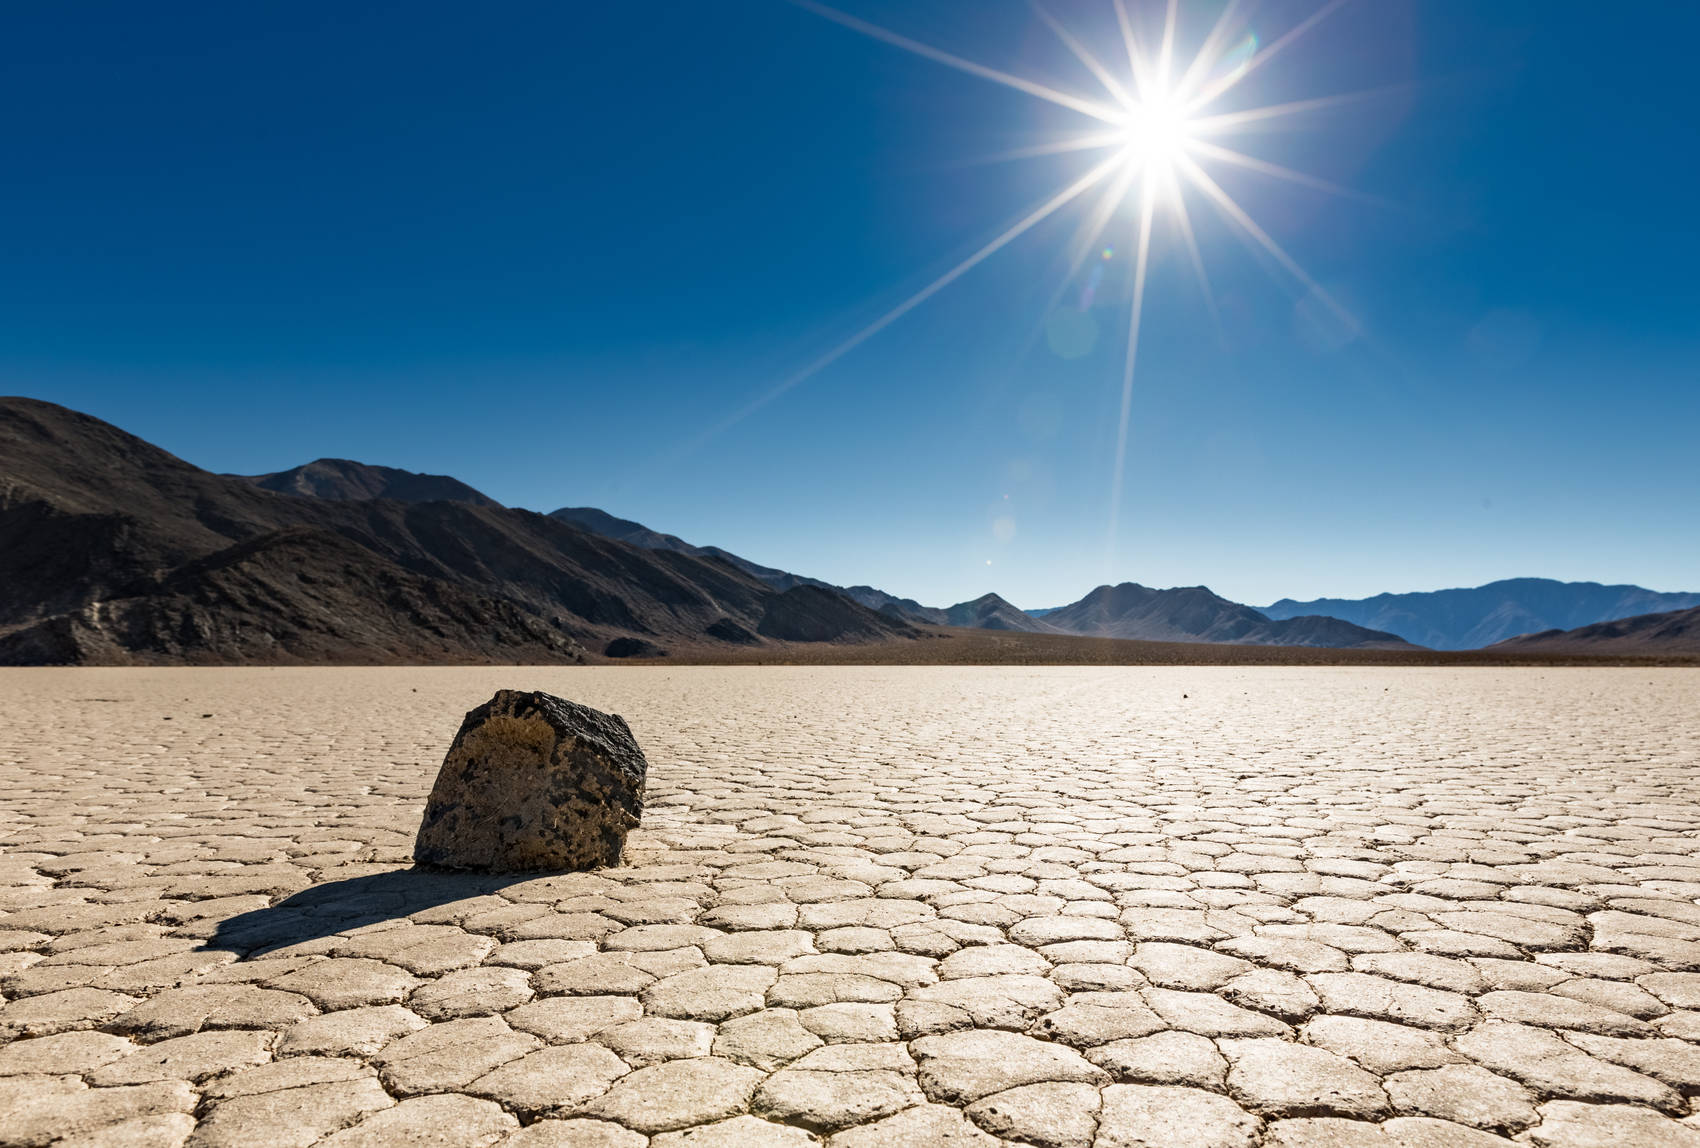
(532, 783)
(633, 648)
(62, 640)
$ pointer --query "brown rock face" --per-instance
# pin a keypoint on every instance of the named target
(533, 782)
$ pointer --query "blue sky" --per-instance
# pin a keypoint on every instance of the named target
(546, 247)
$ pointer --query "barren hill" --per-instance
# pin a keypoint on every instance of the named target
(636, 533)
(990, 612)
(1673, 632)
(113, 550)
(986, 612)
(1194, 614)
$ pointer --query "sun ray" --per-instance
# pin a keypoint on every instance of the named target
(1022, 225)
(1147, 208)
(1158, 124)
(1166, 54)
(1230, 121)
(1091, 228)
(1062, 99)
(1103, 74)
(1060, 147)
(1235, 212)
(1086, 237)
(1225, 84)
(1276, 171)
(1135, 60)
(1209, 51)
(1183, 221)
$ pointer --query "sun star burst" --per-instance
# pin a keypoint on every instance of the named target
(1157, 127)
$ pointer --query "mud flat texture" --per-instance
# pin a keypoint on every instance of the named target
(868, 906)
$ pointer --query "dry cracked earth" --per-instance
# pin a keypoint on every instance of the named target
(868, 907)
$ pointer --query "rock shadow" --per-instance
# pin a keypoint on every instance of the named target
(338, 906)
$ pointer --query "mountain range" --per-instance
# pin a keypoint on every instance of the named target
(1134, 611)
(1460, 619)
(1183, 614)
(1444, 619)
(1467, 619)
(113, 550)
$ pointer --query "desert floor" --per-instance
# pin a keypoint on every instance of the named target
(1406, 908)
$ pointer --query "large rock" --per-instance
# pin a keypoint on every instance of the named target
(533, 782)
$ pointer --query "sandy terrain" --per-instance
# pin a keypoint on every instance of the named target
(945, 646)
(1406, 908)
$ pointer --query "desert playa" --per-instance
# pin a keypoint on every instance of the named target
(1064, 907)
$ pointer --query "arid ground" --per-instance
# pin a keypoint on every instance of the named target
(942, 646)
(876, 906)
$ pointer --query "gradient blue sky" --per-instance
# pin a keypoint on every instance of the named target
(543, 247)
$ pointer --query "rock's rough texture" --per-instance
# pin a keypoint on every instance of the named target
(534, 782)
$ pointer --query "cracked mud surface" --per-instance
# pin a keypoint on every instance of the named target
(868, 907)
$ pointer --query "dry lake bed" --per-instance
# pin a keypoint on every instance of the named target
(876, 907)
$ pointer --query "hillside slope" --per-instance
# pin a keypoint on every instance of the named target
(1194, 614)
(986, 612)
(114, 550)
(990, 612)
(297, 595)
(637, 534)
(1670, 632)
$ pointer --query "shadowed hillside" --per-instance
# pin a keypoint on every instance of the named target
(1674, 632)
(112, 550)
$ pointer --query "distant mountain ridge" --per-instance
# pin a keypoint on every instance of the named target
(637, 534)
(1470, 618)
(988, 612)
(1195, 614)
(1184, 614)
(1671, 632)
(342, 479)
(891, 604)
(113, 550)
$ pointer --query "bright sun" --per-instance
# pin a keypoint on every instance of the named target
(1155, 135)
(1156, 126)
